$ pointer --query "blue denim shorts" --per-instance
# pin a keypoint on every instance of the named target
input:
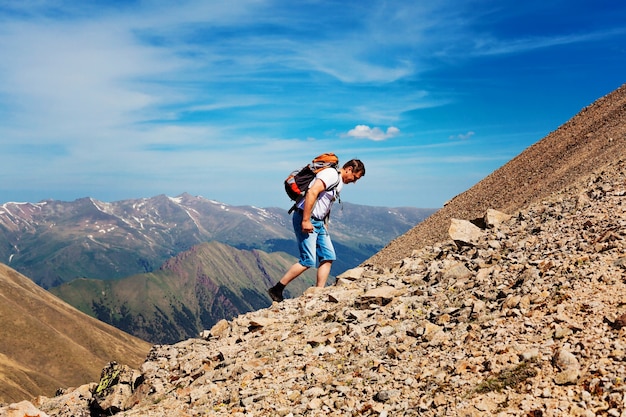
(315, 247)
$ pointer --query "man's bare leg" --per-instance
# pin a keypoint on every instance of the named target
(322, 273)
(293, 273)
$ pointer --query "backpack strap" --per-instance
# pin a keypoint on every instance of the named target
(295, 205)
(332, 187)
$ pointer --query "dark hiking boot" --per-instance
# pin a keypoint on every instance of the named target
(275, 294)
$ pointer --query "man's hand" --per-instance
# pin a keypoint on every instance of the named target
(307, 226)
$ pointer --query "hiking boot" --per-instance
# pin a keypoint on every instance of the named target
(275, 294)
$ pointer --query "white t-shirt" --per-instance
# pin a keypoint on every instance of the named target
(326, 198)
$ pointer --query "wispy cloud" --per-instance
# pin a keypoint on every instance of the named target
(72, 78)
(491, 45)
(463, 136)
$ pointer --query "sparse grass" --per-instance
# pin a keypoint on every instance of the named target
(508, 378)
(560, 295)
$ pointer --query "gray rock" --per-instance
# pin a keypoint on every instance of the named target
(465, 232)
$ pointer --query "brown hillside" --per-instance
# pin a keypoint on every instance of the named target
(593, 138)
(47, 344)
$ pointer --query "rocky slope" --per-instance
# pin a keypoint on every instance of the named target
(592, 138)
(524, 317)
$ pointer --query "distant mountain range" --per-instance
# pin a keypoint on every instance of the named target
(165, 268)
(53, 242)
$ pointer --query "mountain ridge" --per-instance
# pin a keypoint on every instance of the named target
(593, 137)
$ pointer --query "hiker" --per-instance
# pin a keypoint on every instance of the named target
(309, 224)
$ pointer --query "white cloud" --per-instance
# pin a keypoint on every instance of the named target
(373, 133)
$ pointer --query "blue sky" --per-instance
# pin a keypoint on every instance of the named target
(128, 99)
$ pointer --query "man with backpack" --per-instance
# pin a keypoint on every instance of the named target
(310, 213)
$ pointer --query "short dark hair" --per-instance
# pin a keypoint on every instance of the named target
(356, 165)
